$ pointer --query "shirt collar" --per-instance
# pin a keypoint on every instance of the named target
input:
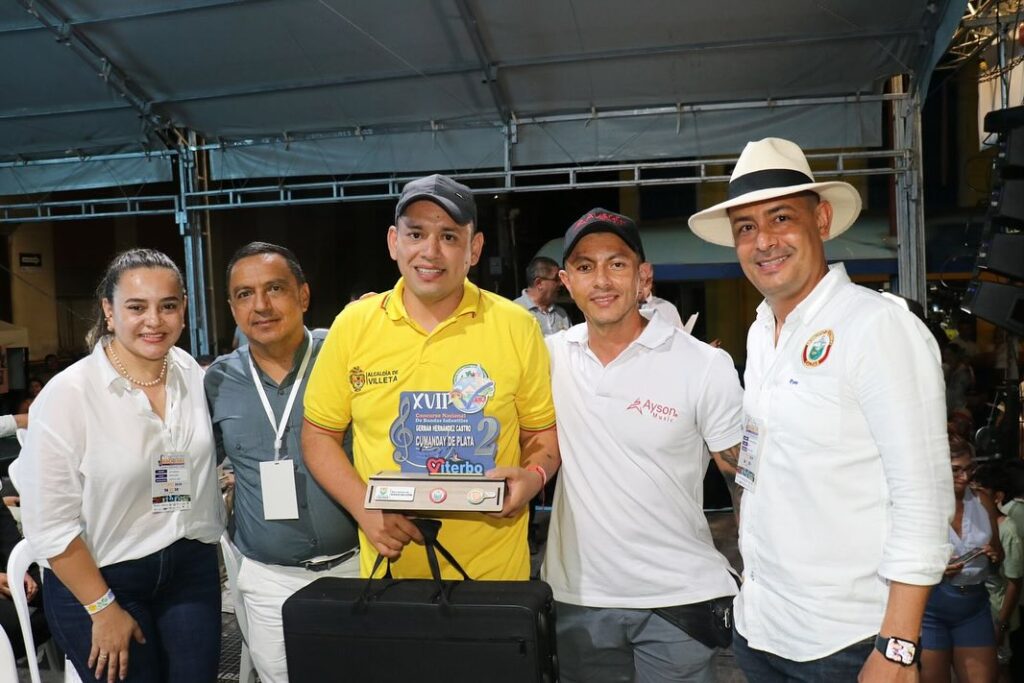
(296, 360)
(394, 307)
(655, 333)
(822, 292)
(527, 301)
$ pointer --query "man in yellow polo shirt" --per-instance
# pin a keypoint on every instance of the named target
(437, 351)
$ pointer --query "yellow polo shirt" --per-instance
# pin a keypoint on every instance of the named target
(477, 379)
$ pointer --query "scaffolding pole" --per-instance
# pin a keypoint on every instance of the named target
(190, 227)
(910, 234)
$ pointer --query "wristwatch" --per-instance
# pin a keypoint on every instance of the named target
(903, 652)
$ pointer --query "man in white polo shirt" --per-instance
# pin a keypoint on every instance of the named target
(639, 403)
(845, 462)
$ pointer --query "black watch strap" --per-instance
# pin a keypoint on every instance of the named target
(898, 650)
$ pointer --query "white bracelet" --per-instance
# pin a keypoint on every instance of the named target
(105, 601)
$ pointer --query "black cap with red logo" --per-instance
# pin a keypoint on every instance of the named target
(603, 220)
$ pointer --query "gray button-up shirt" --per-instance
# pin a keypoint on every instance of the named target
(553, 320)
(243, 433)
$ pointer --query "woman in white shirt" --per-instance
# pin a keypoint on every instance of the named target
(957, 627)
(119, 490)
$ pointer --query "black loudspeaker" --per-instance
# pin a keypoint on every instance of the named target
(1006, 208)
(1009, 125)
(1003, 253)
(1002, 305)
(1012, 152)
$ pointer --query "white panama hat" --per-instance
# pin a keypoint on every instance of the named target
(771, 168)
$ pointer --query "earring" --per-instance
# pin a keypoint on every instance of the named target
(110, 326)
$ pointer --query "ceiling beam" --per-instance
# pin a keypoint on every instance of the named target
(138, 14)
(686, 48)
(54, 21)
(490, 74)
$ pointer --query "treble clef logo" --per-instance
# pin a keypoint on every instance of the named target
(401, 435)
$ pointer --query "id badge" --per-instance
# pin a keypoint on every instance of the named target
(277, 482)
(172, 482)
(750, 454)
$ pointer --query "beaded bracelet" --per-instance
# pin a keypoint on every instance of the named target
(104, 602)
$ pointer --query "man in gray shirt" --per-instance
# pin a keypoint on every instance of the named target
(539, 296)
(288, 531)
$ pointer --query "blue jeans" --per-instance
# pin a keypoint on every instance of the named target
(173, 594)
(764, 667)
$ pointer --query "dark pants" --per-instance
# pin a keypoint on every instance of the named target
(12, 627)
(764, 667)
(173, 594)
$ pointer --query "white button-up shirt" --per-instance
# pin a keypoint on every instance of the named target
(666, 309)
(628, 528)
(853, 487)
(87, 465)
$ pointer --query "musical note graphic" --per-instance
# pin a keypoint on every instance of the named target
(401, 435)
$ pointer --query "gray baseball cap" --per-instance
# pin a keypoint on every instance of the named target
(454, 197)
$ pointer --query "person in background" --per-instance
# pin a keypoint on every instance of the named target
(35, 385)
(649, 303)
(10, 424)
(119, 490)
(957, 627)
(9, 537)
(539, 296)
(1004, 586)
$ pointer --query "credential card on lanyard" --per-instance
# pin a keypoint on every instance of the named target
(277, 483)
(171, 482)
(750, 454)
(277, 478)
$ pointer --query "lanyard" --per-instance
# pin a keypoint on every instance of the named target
(280, 427)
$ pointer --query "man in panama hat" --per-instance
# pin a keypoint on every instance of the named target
(844, 460)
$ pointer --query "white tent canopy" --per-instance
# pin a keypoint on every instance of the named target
(358, 95)
(326, 87)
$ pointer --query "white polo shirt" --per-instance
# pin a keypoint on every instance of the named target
(628, 527)
(853, 488)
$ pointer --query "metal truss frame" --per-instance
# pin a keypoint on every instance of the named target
(190, 206)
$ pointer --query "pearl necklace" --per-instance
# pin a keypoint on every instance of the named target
(121, 369)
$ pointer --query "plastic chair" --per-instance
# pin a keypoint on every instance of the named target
(8, 667)
(246, 670)
(17, 564)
